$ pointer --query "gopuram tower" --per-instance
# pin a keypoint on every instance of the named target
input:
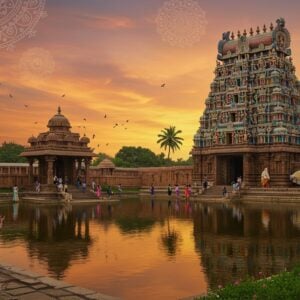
(251, 117)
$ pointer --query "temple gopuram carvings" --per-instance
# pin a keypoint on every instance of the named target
(251, 117)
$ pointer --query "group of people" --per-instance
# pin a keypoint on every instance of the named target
(187, 191)
(62, 185)
(81, 184)
(97, 189)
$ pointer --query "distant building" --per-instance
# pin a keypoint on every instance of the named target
(59, 152)
(251, 117)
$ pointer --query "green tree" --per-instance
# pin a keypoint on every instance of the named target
(134, 157)
(9, 152)
(169, 139)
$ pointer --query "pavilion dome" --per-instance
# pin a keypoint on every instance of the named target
(106, 164)
(32, 140)
(59, 121)
(85, 139)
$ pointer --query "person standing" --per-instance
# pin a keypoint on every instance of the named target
(120, 189)
(177, 190)
(265, 178)
(224, 192)
(239, 181)
(93, 186)
(65, 187)
(37, 186)
(83, 186)
(205, 184)
(15, 193)
(109, 191)
(98, 191)
(152, 191)
(186, 192)
(169, 190)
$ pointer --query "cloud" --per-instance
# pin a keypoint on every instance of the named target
(106, 22)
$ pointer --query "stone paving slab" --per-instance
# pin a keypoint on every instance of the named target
(35, 295)
(20, 284)
(20, 291)
(80, 291)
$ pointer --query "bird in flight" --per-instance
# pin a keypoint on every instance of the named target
(84, 119)
(125, 128)
(94, 136)
(98, 145)
(107, 144)
(79, 126)
(105, 116)
(63, 95)
(163, 85)
(35, 122)
(10, 96)
(25, 105)
(127, 121)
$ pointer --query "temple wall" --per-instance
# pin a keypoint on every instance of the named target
(11, 174)
(127, 177)
(280, 166)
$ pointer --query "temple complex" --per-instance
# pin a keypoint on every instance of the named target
(251, 116)
(59, 152)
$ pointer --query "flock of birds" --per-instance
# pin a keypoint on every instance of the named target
(85, 119)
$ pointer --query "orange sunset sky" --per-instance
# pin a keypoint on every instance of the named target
(110, 59)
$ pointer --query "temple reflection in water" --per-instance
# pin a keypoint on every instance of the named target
(228, 243)
(234, 243)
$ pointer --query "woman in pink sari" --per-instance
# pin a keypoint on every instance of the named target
(98, 191)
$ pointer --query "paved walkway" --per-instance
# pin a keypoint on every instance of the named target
(19, 284)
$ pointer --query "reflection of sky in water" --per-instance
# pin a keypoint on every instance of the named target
(134, 249)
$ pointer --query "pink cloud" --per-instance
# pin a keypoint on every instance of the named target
(107, 22)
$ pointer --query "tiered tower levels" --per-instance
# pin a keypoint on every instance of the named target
(254, 98)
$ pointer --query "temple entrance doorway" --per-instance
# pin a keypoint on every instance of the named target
(229, 168)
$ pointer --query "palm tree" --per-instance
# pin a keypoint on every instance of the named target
(168, 138)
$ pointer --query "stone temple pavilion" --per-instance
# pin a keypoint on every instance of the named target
(59, 152)
(251, 117)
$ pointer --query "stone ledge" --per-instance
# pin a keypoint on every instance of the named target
(21, 284)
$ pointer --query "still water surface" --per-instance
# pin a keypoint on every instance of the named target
(136, 249)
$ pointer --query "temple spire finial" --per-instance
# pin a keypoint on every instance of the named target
(59, 110)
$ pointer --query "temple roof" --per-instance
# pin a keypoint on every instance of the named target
(58, 141)
(58, 122)
(106, 164)
(277, 38)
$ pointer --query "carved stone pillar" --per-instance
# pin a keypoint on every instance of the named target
(50, 161)
(74, 171)
(87, 163)
(30, 172)
(247, 170)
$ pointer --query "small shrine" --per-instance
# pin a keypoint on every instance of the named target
(251, 116)
(59, 152)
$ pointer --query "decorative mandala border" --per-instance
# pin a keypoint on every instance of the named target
(18, 19)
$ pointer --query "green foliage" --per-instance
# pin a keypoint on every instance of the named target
(101, 156)
(133, 157)
(286, 285)
(9, 152)
(169, 139)
(134, 224)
